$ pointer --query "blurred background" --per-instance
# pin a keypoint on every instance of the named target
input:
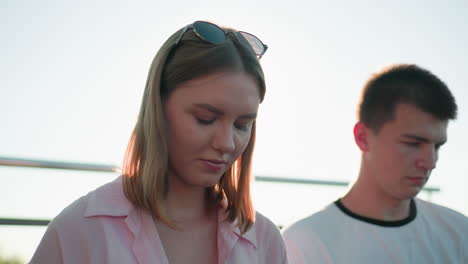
(72, 74)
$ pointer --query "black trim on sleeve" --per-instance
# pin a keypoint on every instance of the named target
(411, 216)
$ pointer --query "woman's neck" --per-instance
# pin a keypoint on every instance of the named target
(187, 203)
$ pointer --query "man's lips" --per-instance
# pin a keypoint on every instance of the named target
(417, 180)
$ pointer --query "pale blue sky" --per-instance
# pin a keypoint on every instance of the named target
(72, 74)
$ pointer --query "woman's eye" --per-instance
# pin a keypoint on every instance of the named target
(242, 126)
(205, 121)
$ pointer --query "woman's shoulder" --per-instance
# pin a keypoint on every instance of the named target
(264, 222)
(265, 229)
(104, 200)
(269, 240)
(89, 224)
(71, 213)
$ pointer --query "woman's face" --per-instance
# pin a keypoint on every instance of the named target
(209, 125)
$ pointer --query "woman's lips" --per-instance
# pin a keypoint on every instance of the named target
(214, 165)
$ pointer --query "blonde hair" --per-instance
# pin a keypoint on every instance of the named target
(145, 164)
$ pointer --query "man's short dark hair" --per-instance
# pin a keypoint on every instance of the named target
(404, 83)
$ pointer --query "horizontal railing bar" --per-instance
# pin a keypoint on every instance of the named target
(300, 181)
(319, 182)
(31, 163)
(24, 222)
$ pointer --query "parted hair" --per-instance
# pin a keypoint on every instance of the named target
(145, 166)
(404, 83)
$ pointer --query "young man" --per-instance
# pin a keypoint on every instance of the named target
(403, 118)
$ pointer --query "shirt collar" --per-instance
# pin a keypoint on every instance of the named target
(226, 227)
(110, 200)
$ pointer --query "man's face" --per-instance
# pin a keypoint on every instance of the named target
(403, 153)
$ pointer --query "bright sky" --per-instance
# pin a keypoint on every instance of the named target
(72, 75)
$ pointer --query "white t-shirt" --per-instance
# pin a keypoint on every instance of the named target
(430, 234)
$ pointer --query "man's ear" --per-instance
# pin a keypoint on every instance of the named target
(361, 136)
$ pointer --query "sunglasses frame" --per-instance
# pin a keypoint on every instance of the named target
(245, 36)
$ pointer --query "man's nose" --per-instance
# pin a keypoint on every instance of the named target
(428, 158)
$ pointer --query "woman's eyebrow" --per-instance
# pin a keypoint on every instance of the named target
(220, 112)
(249, 116)
(210, 108)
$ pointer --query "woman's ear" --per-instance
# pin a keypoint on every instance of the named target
(361, 136)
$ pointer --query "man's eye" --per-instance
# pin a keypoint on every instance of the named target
(413, 144)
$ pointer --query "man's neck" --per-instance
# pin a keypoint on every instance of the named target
(372, 204)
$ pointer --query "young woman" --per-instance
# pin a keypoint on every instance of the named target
(184, 194)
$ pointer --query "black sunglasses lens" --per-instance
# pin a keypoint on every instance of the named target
(209, 32)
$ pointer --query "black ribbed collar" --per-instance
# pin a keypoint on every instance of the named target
(397, 223)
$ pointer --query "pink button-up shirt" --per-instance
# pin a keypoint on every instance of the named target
(104, 227)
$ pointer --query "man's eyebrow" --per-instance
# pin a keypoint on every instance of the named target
(418, 138)
(421, 139)
(220, 112)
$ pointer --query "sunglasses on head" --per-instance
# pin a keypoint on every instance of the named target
(213, 34)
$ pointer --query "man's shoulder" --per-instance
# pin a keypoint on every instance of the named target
(308, 240)
(440, 212)
(315, 222)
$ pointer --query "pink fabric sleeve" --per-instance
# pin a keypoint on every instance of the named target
(271, 242)
(277, 249)
(49, 249)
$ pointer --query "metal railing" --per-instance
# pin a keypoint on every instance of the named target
(34, 163)
(47, 164)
